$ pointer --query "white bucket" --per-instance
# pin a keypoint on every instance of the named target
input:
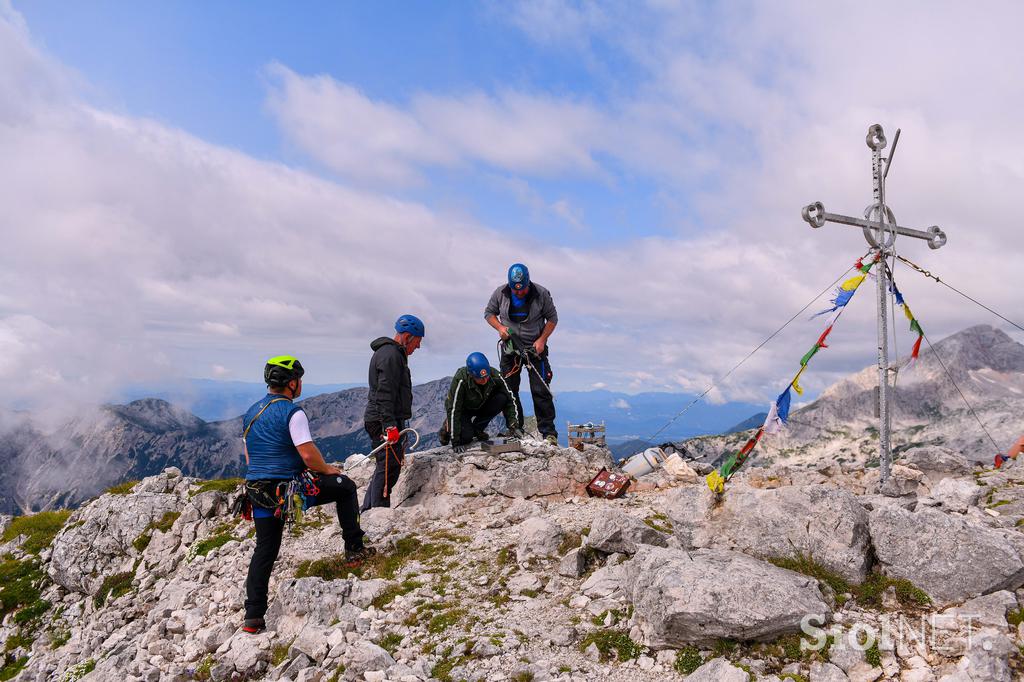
(644, 462)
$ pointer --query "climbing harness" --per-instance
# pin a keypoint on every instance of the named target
(523, 356)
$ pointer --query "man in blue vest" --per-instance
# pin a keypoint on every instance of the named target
(523, 313)
(279, 449)
(389, 405)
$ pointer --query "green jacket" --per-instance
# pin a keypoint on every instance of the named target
(465, 395)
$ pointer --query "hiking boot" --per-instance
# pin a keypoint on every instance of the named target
(442, 434)
(356, 557)
(482, 436)
(551, 439)
(254, 626)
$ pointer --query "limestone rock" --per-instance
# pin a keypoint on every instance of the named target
(99, 540)
(938, 462)
(718, 670)
(364, 656)
(702, 595)
(538, 537)
(616, 531)
(949, 557)
(957, 494)
(823, 522)
(826, 672)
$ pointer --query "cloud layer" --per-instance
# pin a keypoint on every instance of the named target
(135, 251)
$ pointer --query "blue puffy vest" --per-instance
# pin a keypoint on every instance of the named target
(269, 443)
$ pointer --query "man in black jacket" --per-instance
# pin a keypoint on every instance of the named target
(389, 405)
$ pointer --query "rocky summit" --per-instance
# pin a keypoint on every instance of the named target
(500, 568)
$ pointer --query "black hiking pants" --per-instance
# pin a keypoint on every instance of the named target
(389, 465)
(269, 531)
(473, 422)
(543, 402)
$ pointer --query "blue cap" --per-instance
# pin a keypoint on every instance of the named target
(518, 277)
(411, 324)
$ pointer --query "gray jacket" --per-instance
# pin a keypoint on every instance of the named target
(540, 310)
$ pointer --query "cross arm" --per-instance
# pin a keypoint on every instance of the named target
(816, 216)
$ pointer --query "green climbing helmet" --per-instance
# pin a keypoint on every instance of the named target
(282, 369)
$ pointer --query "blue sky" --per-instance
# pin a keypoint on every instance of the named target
(190, 188)
(202, 67)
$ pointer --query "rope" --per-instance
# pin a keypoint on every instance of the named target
(651, 438)
(926, 273)
(962, 396)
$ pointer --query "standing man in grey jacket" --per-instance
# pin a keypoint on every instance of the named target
(525, 310)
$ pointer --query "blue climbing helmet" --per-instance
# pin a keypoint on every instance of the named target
(478, 366)
(518, 277)
(409, 323)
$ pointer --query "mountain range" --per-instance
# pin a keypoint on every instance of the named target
(44, 468)
(966, 394)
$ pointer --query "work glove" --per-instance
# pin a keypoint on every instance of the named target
(459, 449)
(391, 435)
(516, 434)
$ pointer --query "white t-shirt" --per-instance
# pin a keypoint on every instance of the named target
(298, 427)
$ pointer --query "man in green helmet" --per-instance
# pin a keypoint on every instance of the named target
(279, 449)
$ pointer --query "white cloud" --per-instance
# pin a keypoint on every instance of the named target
(376, 141)
(621, 404)
(133, 249)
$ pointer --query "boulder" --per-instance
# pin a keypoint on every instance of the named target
(718, 670)
(310, 602)
(937, 462)
(539, 471)
(950, 557)
(826, 672)
(986, 660)
(957, 494)
(538, 537)
(699, 596)
(826, 523)
(98, 540)
(616, 531)
(986, 611)
(364, 656)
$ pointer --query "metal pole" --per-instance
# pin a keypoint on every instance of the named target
(884, 453)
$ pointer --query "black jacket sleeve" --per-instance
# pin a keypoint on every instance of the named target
(389, 385)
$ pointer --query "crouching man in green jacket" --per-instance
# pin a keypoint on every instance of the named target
(477, 394)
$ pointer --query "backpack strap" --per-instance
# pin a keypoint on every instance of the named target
(245, 433)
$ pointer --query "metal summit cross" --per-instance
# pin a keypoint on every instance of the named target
(880, 229)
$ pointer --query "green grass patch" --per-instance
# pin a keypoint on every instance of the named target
(796, 677)
(385, 564)
(222, 485)
(396, 590)
(279, 653)
(1000, 503)
(203, 670)
(19, 584)
(659, 522)
(687, 660)
(163, 525)
(506, 556)
(444, 620)
(12, 666)
(873, 656)
(612, 644)
(208, 544)
(868, 594)
(32, 612)
(570, 541)
(805, 564)
(1015, 617)
(113, 587)
(124, 488)
(40, 529)
(390, 642)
